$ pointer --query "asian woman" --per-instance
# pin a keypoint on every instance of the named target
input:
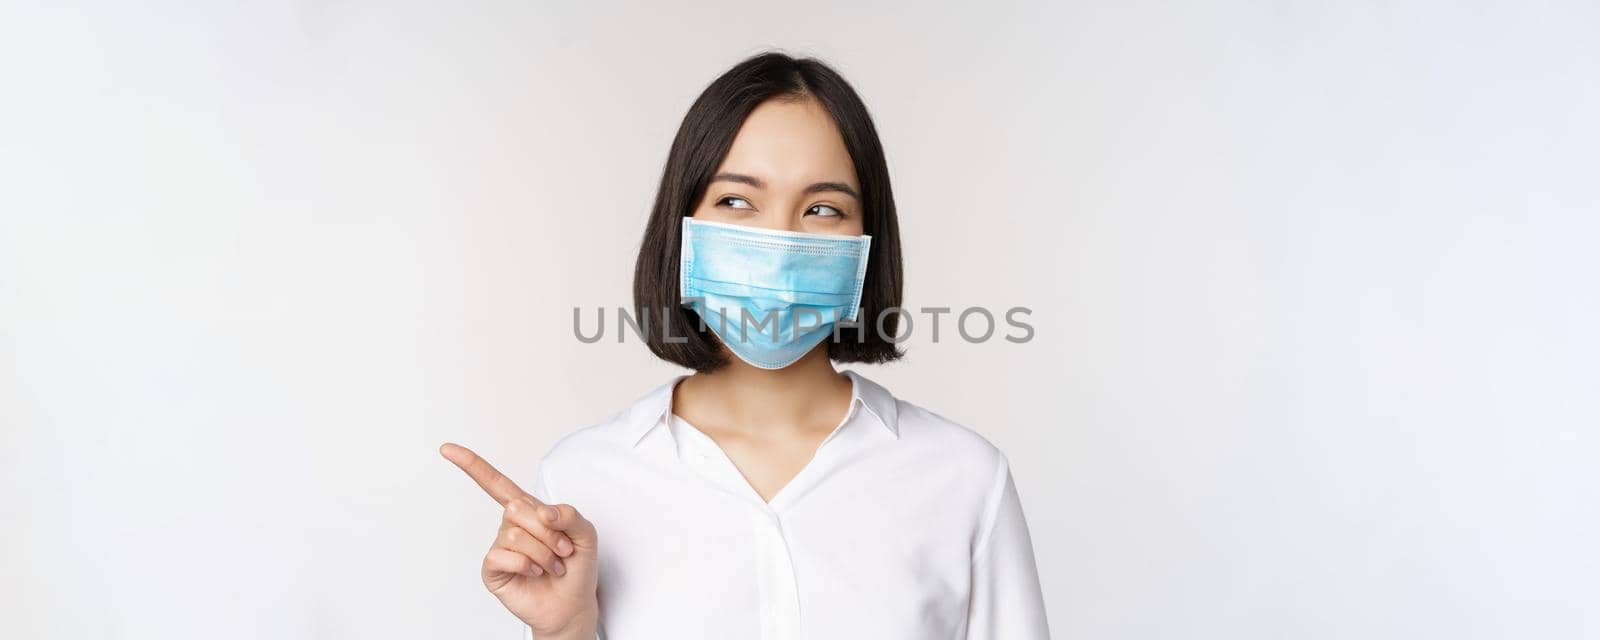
(768, 494)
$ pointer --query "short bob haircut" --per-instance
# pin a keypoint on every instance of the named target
(702, 143)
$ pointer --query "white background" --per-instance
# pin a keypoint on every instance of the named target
(1315, 292)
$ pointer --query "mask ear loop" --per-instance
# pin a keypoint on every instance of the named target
(861, 276)
(686, 257)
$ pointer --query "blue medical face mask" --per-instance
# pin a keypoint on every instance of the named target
(770, 295)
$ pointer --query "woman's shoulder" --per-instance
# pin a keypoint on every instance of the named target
(929, 435)
(958, 462)
(952, 441)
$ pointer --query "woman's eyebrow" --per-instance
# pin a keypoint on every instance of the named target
(833, 186)
(816, 187)
(739, 178)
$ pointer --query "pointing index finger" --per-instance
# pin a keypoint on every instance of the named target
(494, 483)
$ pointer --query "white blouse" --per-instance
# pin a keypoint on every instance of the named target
(904, 526)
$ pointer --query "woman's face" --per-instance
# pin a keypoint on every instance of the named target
(788, 170)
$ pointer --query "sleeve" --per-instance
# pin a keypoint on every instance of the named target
(541, 484)
(1006, 601)
(541, 490)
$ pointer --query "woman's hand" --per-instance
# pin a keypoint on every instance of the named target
(542, 563)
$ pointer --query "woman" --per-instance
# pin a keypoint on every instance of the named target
(768, 495)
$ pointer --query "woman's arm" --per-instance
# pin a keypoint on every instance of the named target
(1006, 603)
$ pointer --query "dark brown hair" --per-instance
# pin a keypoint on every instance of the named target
(675, 333)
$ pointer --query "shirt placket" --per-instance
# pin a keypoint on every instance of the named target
(775, 579)
(778, 596)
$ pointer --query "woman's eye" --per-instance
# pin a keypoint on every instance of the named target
(824, 211)
(734, 202)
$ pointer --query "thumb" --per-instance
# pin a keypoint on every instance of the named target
(566, 519)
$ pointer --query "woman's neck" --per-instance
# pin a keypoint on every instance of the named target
(808, 394)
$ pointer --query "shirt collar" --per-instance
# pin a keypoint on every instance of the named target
(655, 407)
